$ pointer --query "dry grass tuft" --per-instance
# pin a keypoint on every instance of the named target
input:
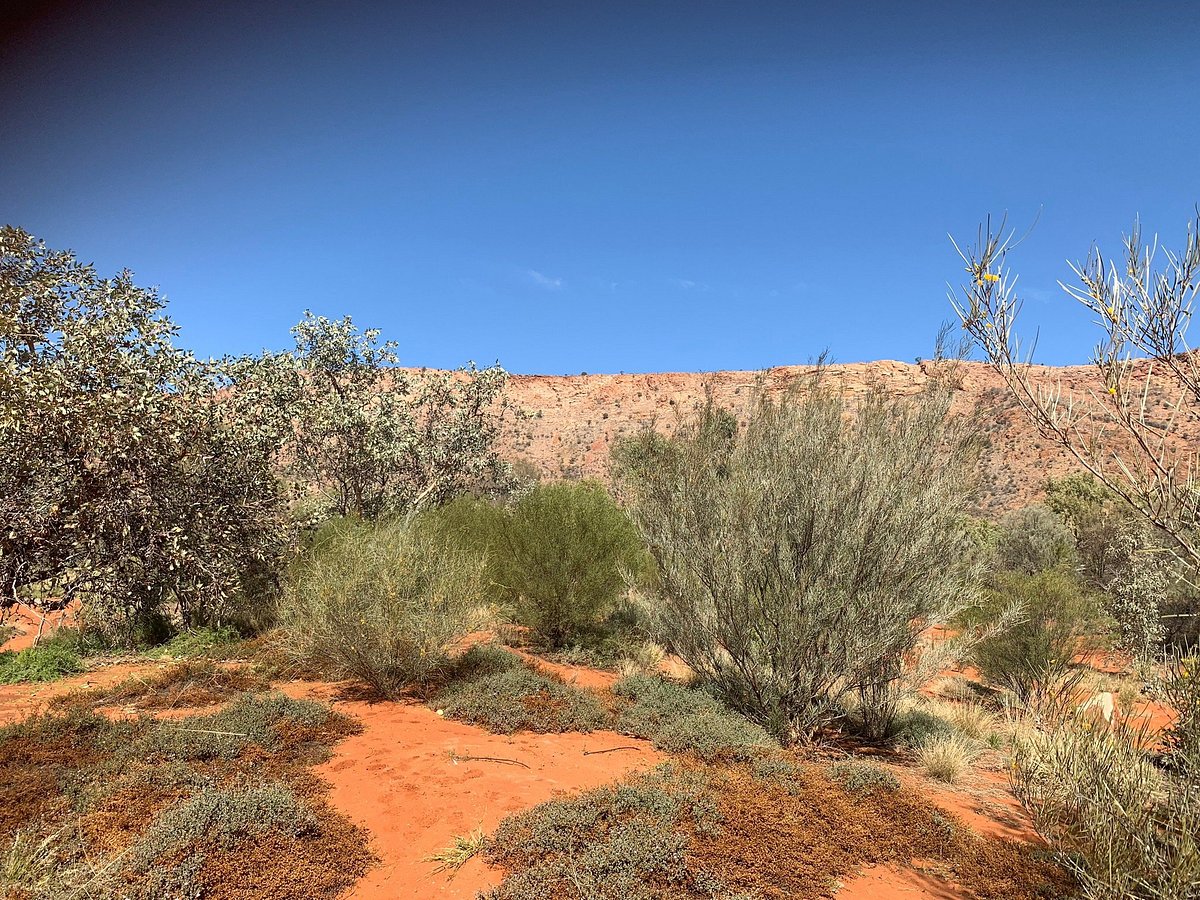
(947, 757)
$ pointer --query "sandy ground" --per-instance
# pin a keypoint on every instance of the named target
(408, 779)
(415, 781)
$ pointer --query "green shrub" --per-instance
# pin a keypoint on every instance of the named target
(485, 659)
(48, 661)
(519, 699)
(1058, 621)
(861, 777)
(679, 720)
(800, 557)
(915, 725)
(559, 557)
(1033, 539)
(382, 603)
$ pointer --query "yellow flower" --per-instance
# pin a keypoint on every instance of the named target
(990, 276)
(1112, 390)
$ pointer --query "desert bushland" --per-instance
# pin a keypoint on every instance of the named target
(801, 555)
(557, 558)
(1123, 816)
(128, 480)
(382, 602)
(1058, 620)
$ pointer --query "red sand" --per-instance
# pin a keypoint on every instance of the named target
(27, 621)
(399, 779)
(20, 700)
(890, 882)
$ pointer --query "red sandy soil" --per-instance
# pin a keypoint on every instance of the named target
(400, 780)
(580, 676)
(408, 780)
(889, 882)
(20, 700)
(27, 621)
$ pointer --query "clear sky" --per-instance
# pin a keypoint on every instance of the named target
(597, 186)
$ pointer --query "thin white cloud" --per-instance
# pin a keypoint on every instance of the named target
(688, 285)
(545, 281)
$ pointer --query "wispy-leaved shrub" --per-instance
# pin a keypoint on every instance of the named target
(381, 602)
(802, 555)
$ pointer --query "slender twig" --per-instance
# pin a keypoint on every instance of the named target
(609, 750)
(455, 757)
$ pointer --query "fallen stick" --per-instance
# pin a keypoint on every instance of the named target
(497, 759)
(609, 750)
(209, 731)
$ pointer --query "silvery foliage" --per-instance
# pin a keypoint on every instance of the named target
(126, 481)
(359, 436)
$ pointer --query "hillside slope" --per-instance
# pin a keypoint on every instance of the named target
(581, 416)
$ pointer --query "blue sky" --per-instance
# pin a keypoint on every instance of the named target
(595, 187)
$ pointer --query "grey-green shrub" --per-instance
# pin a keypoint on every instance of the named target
(801, 556)
(559, 557)
(381, 602)
(859, 776)
(251, 719)
(619, 842)
(1033, 539)
(519, 699)
(225, 817)
(683, 720)
(1058, 620)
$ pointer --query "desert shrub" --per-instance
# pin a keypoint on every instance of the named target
(1058, 620)
(947, 757)
(1033, 539)
(128, 480)
(559, 557)
(860, 776)
(485, 659)
(683, 720)
(47, 661)
(223, 817)
(1138, 590)
(381, 602)
(366, 438)
(264, 720)
(916, 723)
(800, 558)
(613, 843)
(520, 699)
(1126, 828)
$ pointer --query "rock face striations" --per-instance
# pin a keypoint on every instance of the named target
(582, 416)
